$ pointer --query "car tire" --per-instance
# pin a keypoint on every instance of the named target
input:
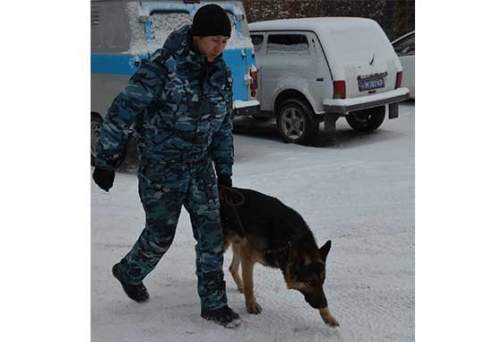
(295, 122)
(96, 122)
(367, 120)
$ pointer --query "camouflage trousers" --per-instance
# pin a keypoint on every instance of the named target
(163, 190)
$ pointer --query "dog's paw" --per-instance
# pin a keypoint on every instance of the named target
(253, 308)
(328, 318)
(332, 322)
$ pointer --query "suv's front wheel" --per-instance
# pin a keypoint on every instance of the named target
(366, 120)
(295, 122)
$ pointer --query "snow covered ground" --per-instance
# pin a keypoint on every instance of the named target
(359, 194)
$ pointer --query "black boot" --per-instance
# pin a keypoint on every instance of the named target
(223, 316)
(137, 292)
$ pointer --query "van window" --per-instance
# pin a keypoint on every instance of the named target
(288, 43)
(109, 31)
(243, 24)
(163, 23)
(257, 40)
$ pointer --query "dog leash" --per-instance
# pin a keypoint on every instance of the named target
(227, 195)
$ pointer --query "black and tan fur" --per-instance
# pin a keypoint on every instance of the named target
(261, 229)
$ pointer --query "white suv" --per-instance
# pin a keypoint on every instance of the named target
(319, 69)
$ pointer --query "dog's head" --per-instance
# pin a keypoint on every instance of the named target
(306, 273)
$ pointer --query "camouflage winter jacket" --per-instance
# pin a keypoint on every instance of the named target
(180, 106)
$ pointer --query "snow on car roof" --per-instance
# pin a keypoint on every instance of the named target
(317, 24)
(347, 40)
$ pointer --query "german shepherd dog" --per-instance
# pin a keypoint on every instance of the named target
(261, 229)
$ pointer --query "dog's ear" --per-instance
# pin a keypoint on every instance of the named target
(325, 249)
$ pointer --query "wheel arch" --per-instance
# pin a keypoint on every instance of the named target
(291, 94)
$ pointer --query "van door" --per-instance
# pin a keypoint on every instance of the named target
(321, 83)
(110, 41)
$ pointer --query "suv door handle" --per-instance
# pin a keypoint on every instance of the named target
(320, 79)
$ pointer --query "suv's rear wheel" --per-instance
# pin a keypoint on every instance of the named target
(367, 120)
(295, 122)
(96, 122)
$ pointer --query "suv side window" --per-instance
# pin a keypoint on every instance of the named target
(405, 47)
(288, 43)
(257, 40)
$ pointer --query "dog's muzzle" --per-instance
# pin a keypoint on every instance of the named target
(316, 301)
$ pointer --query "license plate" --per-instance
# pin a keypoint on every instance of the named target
(369, 84)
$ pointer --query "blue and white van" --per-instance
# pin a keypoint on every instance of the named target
(126, 31)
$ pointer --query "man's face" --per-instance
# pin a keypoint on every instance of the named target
(211, 46)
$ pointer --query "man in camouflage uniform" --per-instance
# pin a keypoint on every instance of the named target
(180, 103)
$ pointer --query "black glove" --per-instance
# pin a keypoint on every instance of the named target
(224, 180)
(104, 178)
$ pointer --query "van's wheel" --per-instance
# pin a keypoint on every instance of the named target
(295, 122)
(366, 120)
(96, 122)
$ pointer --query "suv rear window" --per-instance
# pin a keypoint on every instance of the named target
(287, 43)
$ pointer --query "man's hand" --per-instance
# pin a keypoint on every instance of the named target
(224, 180)
(103, 178)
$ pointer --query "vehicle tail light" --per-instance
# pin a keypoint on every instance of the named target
(253, 72)
(339, 90)
(398, 79)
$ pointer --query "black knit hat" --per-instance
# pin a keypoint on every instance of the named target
(211, 20)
